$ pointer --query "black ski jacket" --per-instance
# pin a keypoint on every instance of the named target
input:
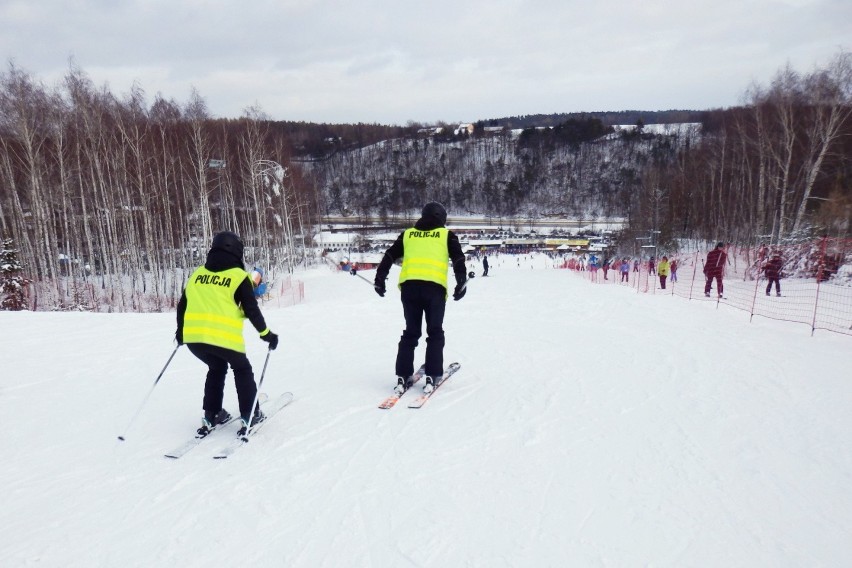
(397, 251)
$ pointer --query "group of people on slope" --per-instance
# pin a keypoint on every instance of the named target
(714, 270)
(221, 294)
(717, 259)
(662, 269)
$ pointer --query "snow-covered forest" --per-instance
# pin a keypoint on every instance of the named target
(779, 167)
(118, 193)
(592, 172)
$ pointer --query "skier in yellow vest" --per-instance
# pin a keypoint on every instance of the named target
(426, 250)
(217, 298)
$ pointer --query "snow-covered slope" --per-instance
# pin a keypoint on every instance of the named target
(589, 426)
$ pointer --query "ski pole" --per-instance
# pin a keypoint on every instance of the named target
(354, 272)
(157, 380)
(257, 393)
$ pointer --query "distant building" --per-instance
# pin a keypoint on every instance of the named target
(464, 129)
(332, 241)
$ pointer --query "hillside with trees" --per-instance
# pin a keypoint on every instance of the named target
(577, 169)
(111, 200)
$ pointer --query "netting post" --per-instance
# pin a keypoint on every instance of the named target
(820, 268)
(694, 270)
(756, 286)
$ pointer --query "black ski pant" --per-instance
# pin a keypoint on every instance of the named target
(709, 284)
(777, 286)
(419, 300)
(217, 360)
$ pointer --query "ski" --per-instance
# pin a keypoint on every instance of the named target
(194, 442)
(390, 401)
(421, 400)
(270, 409)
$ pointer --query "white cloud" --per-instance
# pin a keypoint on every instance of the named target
(391, 61)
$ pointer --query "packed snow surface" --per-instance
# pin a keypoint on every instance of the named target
(588, 426)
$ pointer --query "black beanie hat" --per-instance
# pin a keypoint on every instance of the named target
(435, 210)
(229, 242)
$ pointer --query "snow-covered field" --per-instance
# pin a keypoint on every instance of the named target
(589, 426)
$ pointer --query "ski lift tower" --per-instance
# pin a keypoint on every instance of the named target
(219, 166)
(652, 242)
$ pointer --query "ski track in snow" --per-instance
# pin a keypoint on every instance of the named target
(588, 426)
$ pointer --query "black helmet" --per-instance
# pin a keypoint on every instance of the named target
(434, 210)
(228, 242)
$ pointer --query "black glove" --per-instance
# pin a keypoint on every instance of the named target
(179, 337)
(379, 287)
(271, 339)
(460, 291)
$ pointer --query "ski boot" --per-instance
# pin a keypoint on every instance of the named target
(429, 386)
(258, 417)
(402, 385)
(211, 420)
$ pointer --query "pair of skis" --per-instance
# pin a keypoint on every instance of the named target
(418, 402)
(269, 407)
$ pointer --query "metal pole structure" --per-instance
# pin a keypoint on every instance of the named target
(219, 165)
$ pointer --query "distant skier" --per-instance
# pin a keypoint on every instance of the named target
(772, 268)
(257, 281)
(663, 269)
(485, 266)
(217, 298)
(714, 268)
(426, 250)
(625, 270)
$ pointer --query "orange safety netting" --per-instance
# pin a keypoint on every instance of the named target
(815, 281)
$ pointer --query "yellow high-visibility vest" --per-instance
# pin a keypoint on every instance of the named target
(212, 316)
(425, 256)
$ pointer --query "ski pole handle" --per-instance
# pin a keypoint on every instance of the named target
(470, 276)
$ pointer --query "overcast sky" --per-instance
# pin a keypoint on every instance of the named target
(394, 61)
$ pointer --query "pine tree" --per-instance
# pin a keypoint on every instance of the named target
(12, 284)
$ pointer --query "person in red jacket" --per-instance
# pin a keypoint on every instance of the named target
(772, 268)
(714, 267)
